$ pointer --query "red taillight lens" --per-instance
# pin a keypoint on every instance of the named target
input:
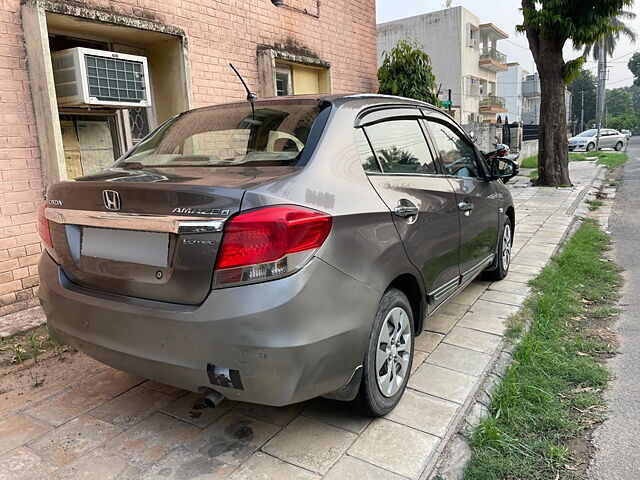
(43, 226)
(502, 153)
(271, 233)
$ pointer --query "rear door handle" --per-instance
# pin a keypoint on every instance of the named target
(405, 211)
(465, 206)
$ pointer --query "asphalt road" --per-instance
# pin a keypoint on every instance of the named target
(618, 438)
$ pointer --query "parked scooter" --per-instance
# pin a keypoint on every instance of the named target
(501, 151)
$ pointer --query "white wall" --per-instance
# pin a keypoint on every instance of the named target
(510, 87)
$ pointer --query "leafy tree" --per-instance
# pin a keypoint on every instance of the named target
(611, 39)
(619, 102)
(584, 82)
(406, 72)
(634, 66)
(628, 121)
(549, 25)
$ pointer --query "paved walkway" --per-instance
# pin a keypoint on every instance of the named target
(88, 421)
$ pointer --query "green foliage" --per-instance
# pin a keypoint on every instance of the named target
(585, 82)
(634, 66)
(553, 389)
(611, 38)
(530, 162)
(406, 72)
(572, 69)
(619, 102)
(628, 121)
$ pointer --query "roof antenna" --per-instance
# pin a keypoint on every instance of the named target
(250, 95)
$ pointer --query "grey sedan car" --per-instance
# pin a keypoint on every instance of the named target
(277, 255)
(609, 138)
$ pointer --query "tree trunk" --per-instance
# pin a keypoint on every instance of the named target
(553, 151)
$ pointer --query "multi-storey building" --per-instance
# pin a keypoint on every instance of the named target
(464, 54)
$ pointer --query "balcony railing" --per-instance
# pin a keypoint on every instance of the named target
(493, 54)
(492, 102)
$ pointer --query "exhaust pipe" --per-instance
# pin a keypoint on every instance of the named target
(213, 399)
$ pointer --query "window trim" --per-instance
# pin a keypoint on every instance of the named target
(418, 119)
(479, 163)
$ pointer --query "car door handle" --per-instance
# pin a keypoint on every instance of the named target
(465, 206)
(405, 211)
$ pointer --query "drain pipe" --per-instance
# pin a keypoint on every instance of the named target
(213, 399)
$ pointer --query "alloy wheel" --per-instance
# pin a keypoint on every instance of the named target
(393, 352)
(506, 247)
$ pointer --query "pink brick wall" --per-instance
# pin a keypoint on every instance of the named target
(218, 32)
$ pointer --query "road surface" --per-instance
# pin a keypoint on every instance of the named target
(618, 438)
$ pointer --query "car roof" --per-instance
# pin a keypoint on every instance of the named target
(338, 100)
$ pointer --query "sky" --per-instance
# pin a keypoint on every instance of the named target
(506, 15)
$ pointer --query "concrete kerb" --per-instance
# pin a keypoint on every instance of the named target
(450, 460)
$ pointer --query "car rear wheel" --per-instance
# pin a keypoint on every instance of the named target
(504, 253)
(591, 147)
(387, 364)
(619, 146)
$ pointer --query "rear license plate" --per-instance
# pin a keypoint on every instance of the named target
(145, 248)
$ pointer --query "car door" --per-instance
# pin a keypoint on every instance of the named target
(403, 171)
(476, 197)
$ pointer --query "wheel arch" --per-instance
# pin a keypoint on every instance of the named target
(410, 286)
(511, 213)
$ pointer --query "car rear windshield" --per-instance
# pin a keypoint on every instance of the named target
(229, 135)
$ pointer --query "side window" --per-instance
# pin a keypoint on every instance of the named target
(459, 158)
(400, 147)
(368, 160)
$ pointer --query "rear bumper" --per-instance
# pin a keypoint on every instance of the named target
(290, 339)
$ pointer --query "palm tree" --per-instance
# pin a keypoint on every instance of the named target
(611, 39)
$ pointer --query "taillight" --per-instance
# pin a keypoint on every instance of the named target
(268, 243)
(43, 226)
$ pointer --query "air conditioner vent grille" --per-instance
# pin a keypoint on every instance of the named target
(115, 80)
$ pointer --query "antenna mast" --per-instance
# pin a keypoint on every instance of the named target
(250, 95)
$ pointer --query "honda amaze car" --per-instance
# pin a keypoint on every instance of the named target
(275, 255)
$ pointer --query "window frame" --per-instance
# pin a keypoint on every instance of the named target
(392, 115)
(480, 163)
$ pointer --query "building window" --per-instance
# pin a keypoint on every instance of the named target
(283, 81)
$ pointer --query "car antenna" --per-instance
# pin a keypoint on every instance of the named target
(250, 95)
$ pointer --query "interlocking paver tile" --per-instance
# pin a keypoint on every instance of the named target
(151, 439)
(503, 297)
(67, 405)
(233, 438)
(277, 415)
(23, 464)
(441, 323)
(473, 339)
(395, 447)
(112, 382)
(338, 414)
(483, 322)
(71, 440)
(132, 406)
(19, 429)
(182, 464)
(492, 308)
(351, 468)
(418, 358)
(428, 341)
(265, 467)
(191, 408)
(310, 444)
(460, 359)
(510, 286)
(99, 464)
(424, 412)
(442, 382)
(453, 310)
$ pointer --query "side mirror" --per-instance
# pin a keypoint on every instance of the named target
(503, 169)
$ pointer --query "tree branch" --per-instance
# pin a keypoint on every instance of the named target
(533, 34)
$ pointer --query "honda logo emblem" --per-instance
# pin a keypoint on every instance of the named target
(111, 200)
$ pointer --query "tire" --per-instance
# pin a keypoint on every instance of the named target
(618, 146)
(380, 392)
(504, 253)
(591, 147)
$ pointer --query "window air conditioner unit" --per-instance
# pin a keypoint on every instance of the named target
(88, 77)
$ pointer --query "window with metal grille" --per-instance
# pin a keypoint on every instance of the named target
(115, 79)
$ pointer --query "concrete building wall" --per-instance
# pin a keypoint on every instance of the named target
(510, 88)
(216, 32)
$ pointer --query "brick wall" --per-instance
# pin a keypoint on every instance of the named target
(217, 32)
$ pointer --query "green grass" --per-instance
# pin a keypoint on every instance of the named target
(552, 391)
(609, 160)
(594, 204)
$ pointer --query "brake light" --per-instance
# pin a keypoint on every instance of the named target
(269, 242)
(43, 226)
(502, 153)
